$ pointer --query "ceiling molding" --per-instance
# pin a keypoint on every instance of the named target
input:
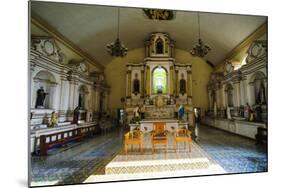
(251, 38)
(36, 20)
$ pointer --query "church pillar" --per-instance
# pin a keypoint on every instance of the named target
(236, 94)
(223, 104)
(242, 93)
(97, 99)
(142, 83)
(218, 99)
(33, 93)
(176, 83)
(75, 95)
(54, 96)
(147, 44)
(171, 80)
(172, 50)
(71, 95)
(148, 80)
(251, 93)
(64, 98)
(129, 83)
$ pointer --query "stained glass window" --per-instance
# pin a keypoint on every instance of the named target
(159, 81)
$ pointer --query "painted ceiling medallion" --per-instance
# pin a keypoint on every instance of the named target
(155, 14)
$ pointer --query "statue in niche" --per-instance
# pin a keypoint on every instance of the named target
(41, 95)
(182, 85)
(136, 85)
(80, 101)
(159, 46)
(258, 113)
(260, 99)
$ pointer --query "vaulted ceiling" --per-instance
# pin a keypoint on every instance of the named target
(91, 27)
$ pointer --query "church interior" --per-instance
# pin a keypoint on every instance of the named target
(120, 93)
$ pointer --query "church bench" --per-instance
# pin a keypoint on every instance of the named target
(51, 140)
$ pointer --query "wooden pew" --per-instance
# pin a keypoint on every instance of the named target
(60, 138)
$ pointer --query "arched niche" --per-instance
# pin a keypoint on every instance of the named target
(159, 46)
(229, 95)
(45, 82)
(159, 80)
(82, 96)
(258, 87)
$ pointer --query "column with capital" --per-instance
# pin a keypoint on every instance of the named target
(171, 80)
(147, 80)
(64, 98)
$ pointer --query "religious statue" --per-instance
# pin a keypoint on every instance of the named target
(228, 113)
(76, 114)
(41, 95)
(260, 99)
(182, 85)
(258, 113)
(142, 111)
(53, 121)
(137, 113)
(159, 46)
(136, 85)
(181, 112)
(249, 113)
(80, 101)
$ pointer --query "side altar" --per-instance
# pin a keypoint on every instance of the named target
(159, 84)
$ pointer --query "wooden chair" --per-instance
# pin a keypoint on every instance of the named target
(159, 135)
(134, 137)
(182, 135)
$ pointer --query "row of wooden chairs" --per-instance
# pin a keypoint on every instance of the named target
(158, 137)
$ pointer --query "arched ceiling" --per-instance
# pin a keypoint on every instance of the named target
(92, 27)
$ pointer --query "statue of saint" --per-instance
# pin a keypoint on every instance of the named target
(137, 113)
(41, 95)
(182, 85)
(136, 85)
(53, 120)
(249, 115)
(181, 112)
(159, 46)
(258, 113)
(261, 95)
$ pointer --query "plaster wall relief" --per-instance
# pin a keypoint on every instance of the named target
(247, 85)
(55, 85)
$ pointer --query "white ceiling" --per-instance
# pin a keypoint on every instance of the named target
(92, 27)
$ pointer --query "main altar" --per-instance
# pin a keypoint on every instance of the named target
(159, 84)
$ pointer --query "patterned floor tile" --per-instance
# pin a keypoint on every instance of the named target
(78, 160)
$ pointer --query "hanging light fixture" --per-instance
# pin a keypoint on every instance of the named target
(116, 48)
(200, 49)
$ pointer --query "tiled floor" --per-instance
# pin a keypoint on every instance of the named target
(234, 153)
(77, 161)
